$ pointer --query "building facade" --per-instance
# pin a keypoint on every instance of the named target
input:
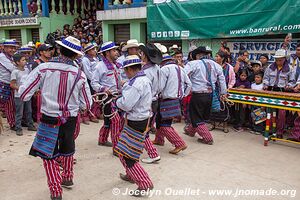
(124, 20)
(32, 20)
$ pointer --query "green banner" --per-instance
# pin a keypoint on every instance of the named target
(200, 19)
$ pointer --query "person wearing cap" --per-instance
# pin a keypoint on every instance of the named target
(281, 78)
(64, 91)
(127, 49)
(264, 59)
(122, 54)
(27, 52)
(209, 51)
(44, 51)
(173, 48)
(131, 47)
(204, 74)
(256, 67)
(151, 57)
(34, 49)
(107, 79)
(6, 68)
(136, 101)
(23, 109)
(174, 85)
(89, 62)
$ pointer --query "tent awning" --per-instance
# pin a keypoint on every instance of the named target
(200, 19)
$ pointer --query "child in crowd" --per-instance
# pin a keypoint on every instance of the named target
(256, 67)
(17, 75)
(242, 80)
(257, 113)
(240, 109)
(258, 84)
(264, 59)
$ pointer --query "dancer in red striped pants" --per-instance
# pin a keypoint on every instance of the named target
(174, 85)
(10, 111)
(152, 57)
(106, 79)
(59, 113)
(136, 102)
(152, 151)
(111, 125)
(6, 68)
(204, 73)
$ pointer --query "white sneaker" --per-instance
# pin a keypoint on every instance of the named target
(151, 160)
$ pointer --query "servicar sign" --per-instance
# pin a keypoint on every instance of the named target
(258, 47)
(19, 22)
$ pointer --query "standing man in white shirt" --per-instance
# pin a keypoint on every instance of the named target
(203, 73)
(107, 79)
(151, 58)
(6, 68)
(136, 101)
(89, 63)
(174, 85)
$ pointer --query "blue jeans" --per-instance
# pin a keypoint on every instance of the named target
(23, 107)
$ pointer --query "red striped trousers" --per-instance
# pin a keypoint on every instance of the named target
(150, 148)
(10, 110)
(203, 131)
(54, 178)
(159, 137)
(172, 136)
(114, 128)
(96, 109)
(138, 174)
(190, 130)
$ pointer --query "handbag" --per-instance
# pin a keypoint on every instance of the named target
(170, 108)
(131, 142)
(47, 135)
(215, 105)
(5, 92)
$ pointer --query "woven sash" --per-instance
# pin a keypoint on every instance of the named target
(5, 92)
(170, 108)
(130, 144)
(215, 105)
(45, 139)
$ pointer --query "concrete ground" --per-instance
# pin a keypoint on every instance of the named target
(237, 163)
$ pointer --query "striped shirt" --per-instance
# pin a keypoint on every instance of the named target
(136, 98)
(103, 78)
(152, 71)
(169, 82)
(88, 65)
(6, 68)
(56, 80)
(198, 74)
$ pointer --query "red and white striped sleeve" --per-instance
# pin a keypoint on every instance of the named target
(30, 85)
